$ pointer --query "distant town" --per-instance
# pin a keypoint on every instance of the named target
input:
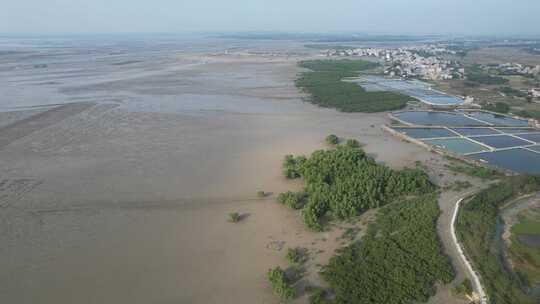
(431, 62)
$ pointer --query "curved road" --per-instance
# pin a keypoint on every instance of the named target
(476, 278)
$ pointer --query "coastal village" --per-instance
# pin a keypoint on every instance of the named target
(429, 62)
(422, 61)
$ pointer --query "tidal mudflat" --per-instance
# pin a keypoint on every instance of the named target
(123, 197)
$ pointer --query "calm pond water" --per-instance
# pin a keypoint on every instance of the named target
(498, 120)
(472, 125)
(457, 145)
(437, 119)
(517, 130)
(475, 131)
(415, 88)
(501, 141)
(535, 148)
(532, 137)
(518, 160)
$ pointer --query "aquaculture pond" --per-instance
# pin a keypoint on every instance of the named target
(478, 135)
(457, 145)
(417, 89)
(498, 120)
(501, 141)
(475, 131)
(517, 130)
(518, 160)
(426, 132)
(437, 119)
(532, 137)
(535, 148)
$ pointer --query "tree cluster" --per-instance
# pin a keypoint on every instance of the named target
(399, 260)
(326, 88)
(344, 182)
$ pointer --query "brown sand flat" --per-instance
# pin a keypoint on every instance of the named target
(130, 198)
(24, 127)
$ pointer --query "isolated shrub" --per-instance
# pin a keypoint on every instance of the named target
(332, 139)
(234, 217)
(261, 194)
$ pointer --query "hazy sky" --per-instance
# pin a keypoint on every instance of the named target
(383, 16)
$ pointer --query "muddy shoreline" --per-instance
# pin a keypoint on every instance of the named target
(126, 201)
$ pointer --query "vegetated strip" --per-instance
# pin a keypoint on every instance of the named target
(325, 87)
(526, 256)
(476, 279)
(477, 231)
(399, 260)
(471, 169)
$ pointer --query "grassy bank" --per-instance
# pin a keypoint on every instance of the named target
(398, 261)
(325, 87)
(526, 256)
(477, 230)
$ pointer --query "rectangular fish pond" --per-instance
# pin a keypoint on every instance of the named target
(475, 131)
(501, 141)
(517, 130)
(430, 118)
(414, 88)
(498, 120)
(535, 137)
(535, 148)
(497, 140)
(426, 132)
(458, 119)
(517, 160)
(457, 145)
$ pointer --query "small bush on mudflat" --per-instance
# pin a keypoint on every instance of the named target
(332, 140)
(280, 284)
(234, 217)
